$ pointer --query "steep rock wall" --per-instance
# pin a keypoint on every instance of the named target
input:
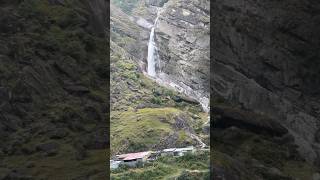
(266, 59)
(183, 40)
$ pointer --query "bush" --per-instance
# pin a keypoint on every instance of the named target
(156, 100)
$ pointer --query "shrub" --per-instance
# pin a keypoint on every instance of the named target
(156, 100)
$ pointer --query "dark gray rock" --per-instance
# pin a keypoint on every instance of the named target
(93, 112)
(17, 175)
(58, 133)
(219, 173)
(56, 2)
(77, 89)
(4, 96)
(50, 148)
(75, 125)
(229, 117)
(27, 150)
(98, 140)
(30, 165)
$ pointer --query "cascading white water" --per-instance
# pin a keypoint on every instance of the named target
(153, 61)
(151, 51)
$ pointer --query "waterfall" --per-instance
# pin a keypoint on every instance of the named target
(162, 78)
(151, 51)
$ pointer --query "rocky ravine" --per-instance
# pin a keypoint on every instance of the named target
(266, 59)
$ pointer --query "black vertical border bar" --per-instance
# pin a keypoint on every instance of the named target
(212, 9)
(108, 88)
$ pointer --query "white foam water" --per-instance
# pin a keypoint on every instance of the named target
(152, 51)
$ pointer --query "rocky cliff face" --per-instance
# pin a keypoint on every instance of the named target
(182, 41)
(182, 38)
(266, 60)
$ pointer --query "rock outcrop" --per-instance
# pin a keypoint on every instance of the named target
(266, 60)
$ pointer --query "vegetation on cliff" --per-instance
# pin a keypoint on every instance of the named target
(146, 116)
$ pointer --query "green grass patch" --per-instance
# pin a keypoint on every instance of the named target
(138, 130)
